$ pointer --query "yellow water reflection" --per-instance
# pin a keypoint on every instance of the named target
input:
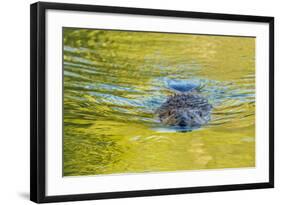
(114, 81)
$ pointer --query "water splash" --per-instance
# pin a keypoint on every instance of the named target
(182, 85)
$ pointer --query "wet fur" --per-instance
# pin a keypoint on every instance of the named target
(185, 110)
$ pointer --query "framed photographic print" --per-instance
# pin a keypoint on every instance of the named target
(129, 102)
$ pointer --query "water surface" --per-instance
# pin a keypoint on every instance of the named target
(115, 80)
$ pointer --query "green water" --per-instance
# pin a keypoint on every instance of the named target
(115, 80)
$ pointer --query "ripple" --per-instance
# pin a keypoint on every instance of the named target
(112, 94)
(115, 80)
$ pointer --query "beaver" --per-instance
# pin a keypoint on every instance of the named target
(186, 108)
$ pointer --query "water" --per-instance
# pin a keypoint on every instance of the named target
(115, 80)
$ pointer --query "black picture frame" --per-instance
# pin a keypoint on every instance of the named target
(38, 101)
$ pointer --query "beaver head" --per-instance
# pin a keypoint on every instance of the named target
(185, 110)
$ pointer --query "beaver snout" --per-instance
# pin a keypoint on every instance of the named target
(182, 120)
(182, 123)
